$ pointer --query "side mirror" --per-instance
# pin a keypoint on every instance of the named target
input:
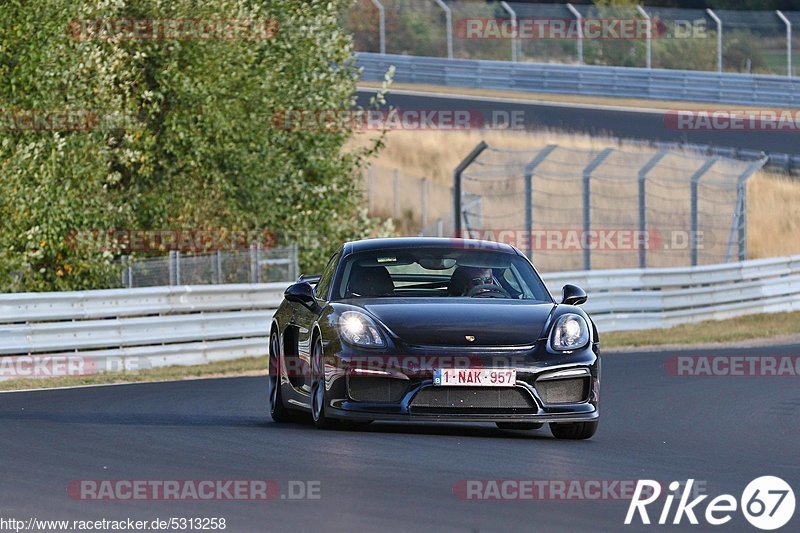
(573, 295)
(302, 293)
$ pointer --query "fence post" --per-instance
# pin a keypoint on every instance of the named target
(543, 154)
(718, 22)
(788, 42)
(648, 42)
(579, 18)
(381, 25)
(448, 16)
(643, 206)
(587, 204)
(218, 261)
(515, 38)
(424, 202)
(370, 179)
(457, 184)
(695, 183)
(396, 189)
(173, 267)
(739, 221)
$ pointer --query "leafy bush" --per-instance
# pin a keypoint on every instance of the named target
(198, 148)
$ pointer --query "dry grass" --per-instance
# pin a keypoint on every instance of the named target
(716, 331)
(773, 200)
(246, 366)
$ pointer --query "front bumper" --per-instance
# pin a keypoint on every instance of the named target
(528, 401)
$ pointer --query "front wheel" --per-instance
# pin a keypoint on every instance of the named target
(574, 430)
(318, 391)
(277, 410)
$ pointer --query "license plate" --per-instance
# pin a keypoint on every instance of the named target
(475, 378)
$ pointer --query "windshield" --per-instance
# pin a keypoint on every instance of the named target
(438, 272)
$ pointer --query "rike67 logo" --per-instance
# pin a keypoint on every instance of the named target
(767, 503)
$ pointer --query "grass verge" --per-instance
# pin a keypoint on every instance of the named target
(761, 326)
(246, 366)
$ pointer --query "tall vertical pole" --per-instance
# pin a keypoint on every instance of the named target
(579, 18)
(718, 22)
(381, 25)
(643, 239)
(529, 168)
(515, 25)
(587, 205)
(448, 16)
(644, 14)
(457, 174)
(788, 42)
(739, 222)
(695, 183)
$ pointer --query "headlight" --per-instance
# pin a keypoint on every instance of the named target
(358, 329)
(570, 333)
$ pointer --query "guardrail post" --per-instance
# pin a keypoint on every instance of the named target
(173, 266)
(515, 38)
(643, 13)
(643, 206)
(381, 25)
(448, 16)
(739, 222)
(788, 42)
(457, 173)
(529, 168)
(579, 18)
(218, 265)
(587, 204)
(695, 183)
(255, 267)
(718, 22)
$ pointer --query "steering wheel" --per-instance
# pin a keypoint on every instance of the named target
(487, 290)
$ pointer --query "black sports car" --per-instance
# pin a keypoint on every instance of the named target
(434, 329)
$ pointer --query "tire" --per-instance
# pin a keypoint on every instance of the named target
(318, 391)
(519, 425)
(277, 409)
(574, 430)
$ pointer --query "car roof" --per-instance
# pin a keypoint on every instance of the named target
(425, 242)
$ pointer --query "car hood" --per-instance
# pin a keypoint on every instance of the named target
(448, 322)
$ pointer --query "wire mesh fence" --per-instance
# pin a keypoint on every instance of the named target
(758, 41)
(580, 209)
(256, 265)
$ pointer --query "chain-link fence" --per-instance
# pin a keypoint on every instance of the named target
(414, 203)
(255, 265)
(579, 209)
(643, 36)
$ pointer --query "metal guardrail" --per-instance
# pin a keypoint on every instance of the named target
(661, 84)
(630, 299)
(190, 325)
(140, 328)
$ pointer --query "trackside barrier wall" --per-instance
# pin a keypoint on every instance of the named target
(188, 325)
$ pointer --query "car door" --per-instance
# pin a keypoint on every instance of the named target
(305, 319)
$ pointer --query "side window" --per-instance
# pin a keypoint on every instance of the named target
(324, 285)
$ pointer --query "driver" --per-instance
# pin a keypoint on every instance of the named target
(475, 277)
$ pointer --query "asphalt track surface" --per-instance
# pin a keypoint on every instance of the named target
(395, 476)
(618, 122)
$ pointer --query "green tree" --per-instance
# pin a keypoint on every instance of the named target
(199, 147)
